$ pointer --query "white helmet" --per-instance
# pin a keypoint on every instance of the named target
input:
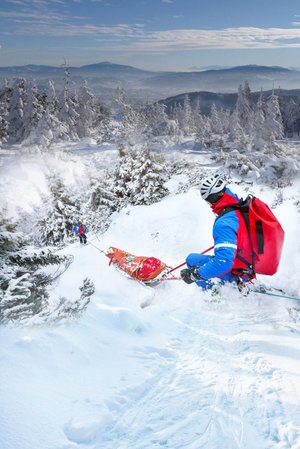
(213, 184)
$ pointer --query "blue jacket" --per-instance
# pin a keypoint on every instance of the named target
(76, 228)
(225, 234)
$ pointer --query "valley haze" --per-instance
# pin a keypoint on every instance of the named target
(105, 77)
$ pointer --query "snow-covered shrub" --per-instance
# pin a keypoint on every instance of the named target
(271, 167)
(66, 309)
(23, 285)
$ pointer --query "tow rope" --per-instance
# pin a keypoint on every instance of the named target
(295, 298)
(182, 264)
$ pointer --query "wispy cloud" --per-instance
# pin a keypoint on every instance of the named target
(43, 28)
(30, 15)
(229, 38)
(167, 1)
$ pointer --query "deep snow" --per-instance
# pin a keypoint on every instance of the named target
(188, 371)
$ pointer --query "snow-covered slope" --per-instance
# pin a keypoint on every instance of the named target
(188, 371)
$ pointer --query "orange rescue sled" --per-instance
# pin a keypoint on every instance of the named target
(141, 268)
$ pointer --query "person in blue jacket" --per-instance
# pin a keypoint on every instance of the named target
(80, 230)
(232, 247)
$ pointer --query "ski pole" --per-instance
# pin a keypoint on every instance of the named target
(181, 265)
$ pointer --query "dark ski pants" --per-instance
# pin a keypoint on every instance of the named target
(82, 238)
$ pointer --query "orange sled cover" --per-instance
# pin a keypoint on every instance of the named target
(138, 267)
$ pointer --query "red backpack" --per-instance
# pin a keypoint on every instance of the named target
(265, 233)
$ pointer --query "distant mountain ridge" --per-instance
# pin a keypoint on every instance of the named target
(101, 67)
(225, 101)
(104, 77)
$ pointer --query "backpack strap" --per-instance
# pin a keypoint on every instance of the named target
(243, 207)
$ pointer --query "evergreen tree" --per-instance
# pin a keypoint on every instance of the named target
(236, 132)
(215, 120)
(197, 109)
(16, 112)
(156, 119)
(122, 181)
(133, 122)
(291, 116)
(149, 177)
(187, 119)
(100, 204)
(202, 124)
(33, 109)
(273, 128)
(49, 129)
(86, 110)
(244, 108)
(101, 195)
(67, 109)
(259, 125)
(138, 179)
(177, 115)
(5, 94)
(203, 129)
(57, 215)
(23, 286)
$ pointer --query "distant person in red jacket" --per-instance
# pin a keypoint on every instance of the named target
(80, 230)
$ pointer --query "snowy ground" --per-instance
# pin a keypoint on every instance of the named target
(185, 372)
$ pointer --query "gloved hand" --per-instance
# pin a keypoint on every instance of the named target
(190, 275)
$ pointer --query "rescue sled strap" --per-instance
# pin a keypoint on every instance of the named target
(243, 207)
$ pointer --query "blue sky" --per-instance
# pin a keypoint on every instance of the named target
(150, 34)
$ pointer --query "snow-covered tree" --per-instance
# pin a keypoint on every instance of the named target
(237, 133)
(203, 129)
(49, 129)
(33, 109)
(86, 110)
(57, 214)
(101, 203)
(244, 108)
(5, 94)
(139, 178)
(67, 108)
(101, 194)
(133, 121)
(259, 125)
(176, 114)
(273, 128)
(216, 120)
(16, 112)
(157, 120)
(23, 285)
(291, 116)
(187, 117)
(149, 177)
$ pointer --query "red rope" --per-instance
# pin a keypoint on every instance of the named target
(181, 265)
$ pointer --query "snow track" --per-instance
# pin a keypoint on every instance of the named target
(209, 387)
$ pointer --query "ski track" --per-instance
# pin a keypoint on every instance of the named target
(189, 400)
